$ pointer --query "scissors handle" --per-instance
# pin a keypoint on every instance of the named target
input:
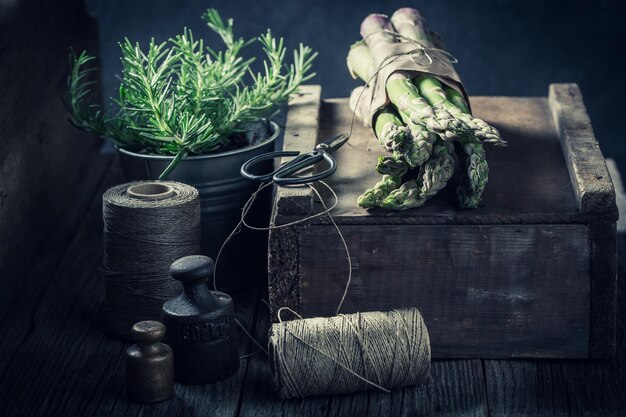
(281, 175)
(245, 168)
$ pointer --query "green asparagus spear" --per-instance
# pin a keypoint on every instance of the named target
(419, 141)
(476, 177)
(390, 130)
(406, 97)
(431, 89)
(405, 197)
(360, 61)
(438, 171)
(410, 25)
(421, 145)
(434, 175)
(377, 31)
(475, 180)
(372, 197)
(457, 99)
(394, 165)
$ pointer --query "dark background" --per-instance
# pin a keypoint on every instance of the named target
(504, 47)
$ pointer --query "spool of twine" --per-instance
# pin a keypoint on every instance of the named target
(147, 226)
(349, 353)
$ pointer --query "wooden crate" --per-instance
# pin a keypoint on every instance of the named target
(531, 273)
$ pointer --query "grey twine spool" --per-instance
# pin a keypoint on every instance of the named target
(147, 226)
(349, 353)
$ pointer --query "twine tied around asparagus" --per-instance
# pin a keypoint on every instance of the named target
(420, 49)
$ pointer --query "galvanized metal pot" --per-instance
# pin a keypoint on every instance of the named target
(223, 192)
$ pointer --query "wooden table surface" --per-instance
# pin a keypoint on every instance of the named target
(55, 361)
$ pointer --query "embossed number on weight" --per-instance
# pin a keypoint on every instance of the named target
(206, 332)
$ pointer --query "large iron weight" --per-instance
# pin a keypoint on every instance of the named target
(200, 325)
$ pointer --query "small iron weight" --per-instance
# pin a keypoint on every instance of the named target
(149, 364)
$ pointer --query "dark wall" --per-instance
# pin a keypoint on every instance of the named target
(504, 47)
(43, 157)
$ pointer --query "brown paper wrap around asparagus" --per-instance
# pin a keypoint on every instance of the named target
(417, 107)
(414, 60)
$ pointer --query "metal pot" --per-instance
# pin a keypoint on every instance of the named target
(223, 192)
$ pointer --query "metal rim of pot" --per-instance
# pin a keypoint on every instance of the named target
(222, 192)
(274, 128)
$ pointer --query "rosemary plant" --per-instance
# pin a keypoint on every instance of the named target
(183, 98)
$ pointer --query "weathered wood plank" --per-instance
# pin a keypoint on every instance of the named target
(459, 388)
(603, 288)
(44, 157)
(61, 326)
(38, 274)
(595, 195)
(284, 290)
(301, 134)
(571, 218)
(486, 291)
(407, 401)
(588, 171)
(598, 387)
(620, 193)
(526, 388)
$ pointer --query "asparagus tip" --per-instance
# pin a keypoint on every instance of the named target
(374, 23)
(410, 13)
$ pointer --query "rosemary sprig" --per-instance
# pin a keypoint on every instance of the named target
(181, 97)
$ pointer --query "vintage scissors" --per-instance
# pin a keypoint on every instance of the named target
(283, 175)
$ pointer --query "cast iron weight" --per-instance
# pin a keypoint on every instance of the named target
(200, 325)
(149, 364)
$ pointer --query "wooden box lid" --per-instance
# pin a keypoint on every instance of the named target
(551, 171)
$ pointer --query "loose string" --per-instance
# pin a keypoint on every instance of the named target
(425, 49)
(248, 205)
(242, 222)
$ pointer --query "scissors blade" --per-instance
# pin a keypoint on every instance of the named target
(332, 144)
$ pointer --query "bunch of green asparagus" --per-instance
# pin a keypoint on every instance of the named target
(419, 125)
